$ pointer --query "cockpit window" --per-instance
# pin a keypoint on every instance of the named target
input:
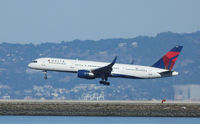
(34, 61)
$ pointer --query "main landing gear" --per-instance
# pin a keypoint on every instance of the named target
(104, 83)
(104, 79)
(45, 75)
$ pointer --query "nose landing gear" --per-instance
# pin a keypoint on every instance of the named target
(45, 75)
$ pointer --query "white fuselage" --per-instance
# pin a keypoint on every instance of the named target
(119, 70)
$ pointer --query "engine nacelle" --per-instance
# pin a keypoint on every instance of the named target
(85, 74)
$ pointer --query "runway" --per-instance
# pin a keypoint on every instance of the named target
(100, 108)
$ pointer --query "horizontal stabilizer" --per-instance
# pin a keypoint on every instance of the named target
(166, 72)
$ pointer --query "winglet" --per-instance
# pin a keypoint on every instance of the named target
(114, 60)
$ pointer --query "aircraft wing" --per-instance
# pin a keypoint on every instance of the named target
(105, 71)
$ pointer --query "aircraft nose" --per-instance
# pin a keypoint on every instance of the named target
(30, 65)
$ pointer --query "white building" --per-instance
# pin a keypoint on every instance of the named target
(187, 92)
(93, 97)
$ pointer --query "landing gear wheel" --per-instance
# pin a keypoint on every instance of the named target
(104, 83)
(108, 83)
(104, 79)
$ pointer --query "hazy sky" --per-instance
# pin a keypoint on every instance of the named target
(36, 21)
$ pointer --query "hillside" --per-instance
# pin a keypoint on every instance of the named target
(19, 82)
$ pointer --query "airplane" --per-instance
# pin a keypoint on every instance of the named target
(92, 69)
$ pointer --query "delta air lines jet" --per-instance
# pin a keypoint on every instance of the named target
(91, 69)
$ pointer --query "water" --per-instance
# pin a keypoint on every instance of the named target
(94, 120)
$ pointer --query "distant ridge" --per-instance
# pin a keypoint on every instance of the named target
(19, 82)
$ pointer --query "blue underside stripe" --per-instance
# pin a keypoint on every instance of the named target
(125, 76)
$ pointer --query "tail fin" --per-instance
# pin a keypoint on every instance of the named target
(169, 59)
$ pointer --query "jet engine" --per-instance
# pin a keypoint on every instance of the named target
(85, 74)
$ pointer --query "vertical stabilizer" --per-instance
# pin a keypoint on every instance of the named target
(169, 59)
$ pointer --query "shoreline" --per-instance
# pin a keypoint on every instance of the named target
(99, 108)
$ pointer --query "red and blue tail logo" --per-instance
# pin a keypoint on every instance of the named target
(169, 59)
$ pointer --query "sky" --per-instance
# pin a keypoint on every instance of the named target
(38, 21)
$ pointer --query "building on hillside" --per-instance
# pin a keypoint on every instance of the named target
(187, 92)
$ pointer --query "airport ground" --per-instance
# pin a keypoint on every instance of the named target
(100, 108)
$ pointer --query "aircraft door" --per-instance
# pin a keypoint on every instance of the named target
(71, 65)
(43, 64)
(150, 73)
